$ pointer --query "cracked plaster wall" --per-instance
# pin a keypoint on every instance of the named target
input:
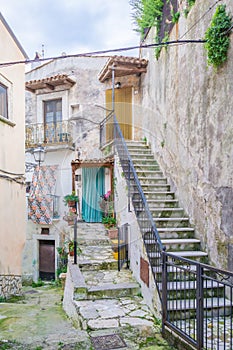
(189, 126)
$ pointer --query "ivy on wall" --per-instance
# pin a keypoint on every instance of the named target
(217, 38)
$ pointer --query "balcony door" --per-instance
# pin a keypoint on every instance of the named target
(53, 120)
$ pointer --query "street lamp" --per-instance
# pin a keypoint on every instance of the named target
(39, 154)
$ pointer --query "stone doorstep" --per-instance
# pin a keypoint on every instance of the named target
(110, 290)
(98, 265)
(113, 290)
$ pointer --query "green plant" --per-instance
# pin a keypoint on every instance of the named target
(146, 13)
(109, 221)
(70, 198)
(37, 284)
(217, 38)
(158, 49)
(70, 244)
(175, 16)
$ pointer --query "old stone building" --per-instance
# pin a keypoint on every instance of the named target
(188, 109)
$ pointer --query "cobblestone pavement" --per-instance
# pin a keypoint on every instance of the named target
(38, 322)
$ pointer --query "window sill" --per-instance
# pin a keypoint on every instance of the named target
(6, 121)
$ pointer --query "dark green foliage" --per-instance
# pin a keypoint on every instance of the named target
(175, 16)
(217, 39)
(146, 13)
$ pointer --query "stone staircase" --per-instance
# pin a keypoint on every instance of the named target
(103, 301)
(173, 225)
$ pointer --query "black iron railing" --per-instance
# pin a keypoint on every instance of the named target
(197, 302)
(196, 299)
(123, 240)
(135, 193)
(107, 129)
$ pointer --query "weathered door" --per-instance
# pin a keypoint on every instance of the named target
(123, 111)
(47, 260)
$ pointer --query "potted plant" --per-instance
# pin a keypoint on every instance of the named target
(110, 223)
(71, 199)
(71, 248)
(70, 217)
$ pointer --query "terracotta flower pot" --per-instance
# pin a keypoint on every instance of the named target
(113, 233)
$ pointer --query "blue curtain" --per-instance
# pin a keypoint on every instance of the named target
(92, 189)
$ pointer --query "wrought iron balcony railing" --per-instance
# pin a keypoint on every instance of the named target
(49, 134)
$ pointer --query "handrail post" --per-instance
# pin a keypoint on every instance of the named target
(200, 308)
(129, 185)
(75, 241)
(164, 290)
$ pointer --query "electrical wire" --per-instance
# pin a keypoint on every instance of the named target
(92, 53)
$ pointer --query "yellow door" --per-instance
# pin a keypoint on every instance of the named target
(123, 111)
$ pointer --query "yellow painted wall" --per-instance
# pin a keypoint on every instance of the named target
(12, 194)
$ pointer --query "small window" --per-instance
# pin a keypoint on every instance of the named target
(3, 101)
(45, 231)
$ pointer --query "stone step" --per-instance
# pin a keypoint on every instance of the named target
(158, 195)
(118, 290)
(134, 145)
(146, 167)
(152, 180)
(179, 309)
(144, 162)
(167, 212)
(176, 232)
(192, 255)
(175, 244)
(190, 285)
(144, 173)
(141, 156)
(155, 187)
(171, 222)
(162, 203)
(139, 150)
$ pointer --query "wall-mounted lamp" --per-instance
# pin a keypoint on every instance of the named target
(39, 154)
(118, 85)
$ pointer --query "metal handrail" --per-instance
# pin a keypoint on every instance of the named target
(116, 125)
(144, 217)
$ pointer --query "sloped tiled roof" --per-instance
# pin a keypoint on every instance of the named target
(123, 65)
(77, 163)
(50, 82)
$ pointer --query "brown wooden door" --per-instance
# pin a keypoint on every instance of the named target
(123, 111)
(47, 260)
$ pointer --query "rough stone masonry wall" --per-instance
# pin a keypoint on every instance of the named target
(10, 285)
(188, 108)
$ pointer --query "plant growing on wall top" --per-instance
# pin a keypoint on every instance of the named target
(217, 38)
(146, 14)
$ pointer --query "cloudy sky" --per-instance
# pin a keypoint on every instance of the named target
(70, 26)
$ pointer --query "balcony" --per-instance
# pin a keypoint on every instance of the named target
(59, 133)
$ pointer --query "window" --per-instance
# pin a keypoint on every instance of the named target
(53, 111)
(52, 119)
(3, 101)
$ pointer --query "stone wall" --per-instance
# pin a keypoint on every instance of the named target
(188, 108)
(137, 251)
(10, 285)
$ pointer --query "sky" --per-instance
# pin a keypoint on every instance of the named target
(71, 26)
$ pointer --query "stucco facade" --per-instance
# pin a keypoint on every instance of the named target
(188, 122)
(12, 164)
(83, 104)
